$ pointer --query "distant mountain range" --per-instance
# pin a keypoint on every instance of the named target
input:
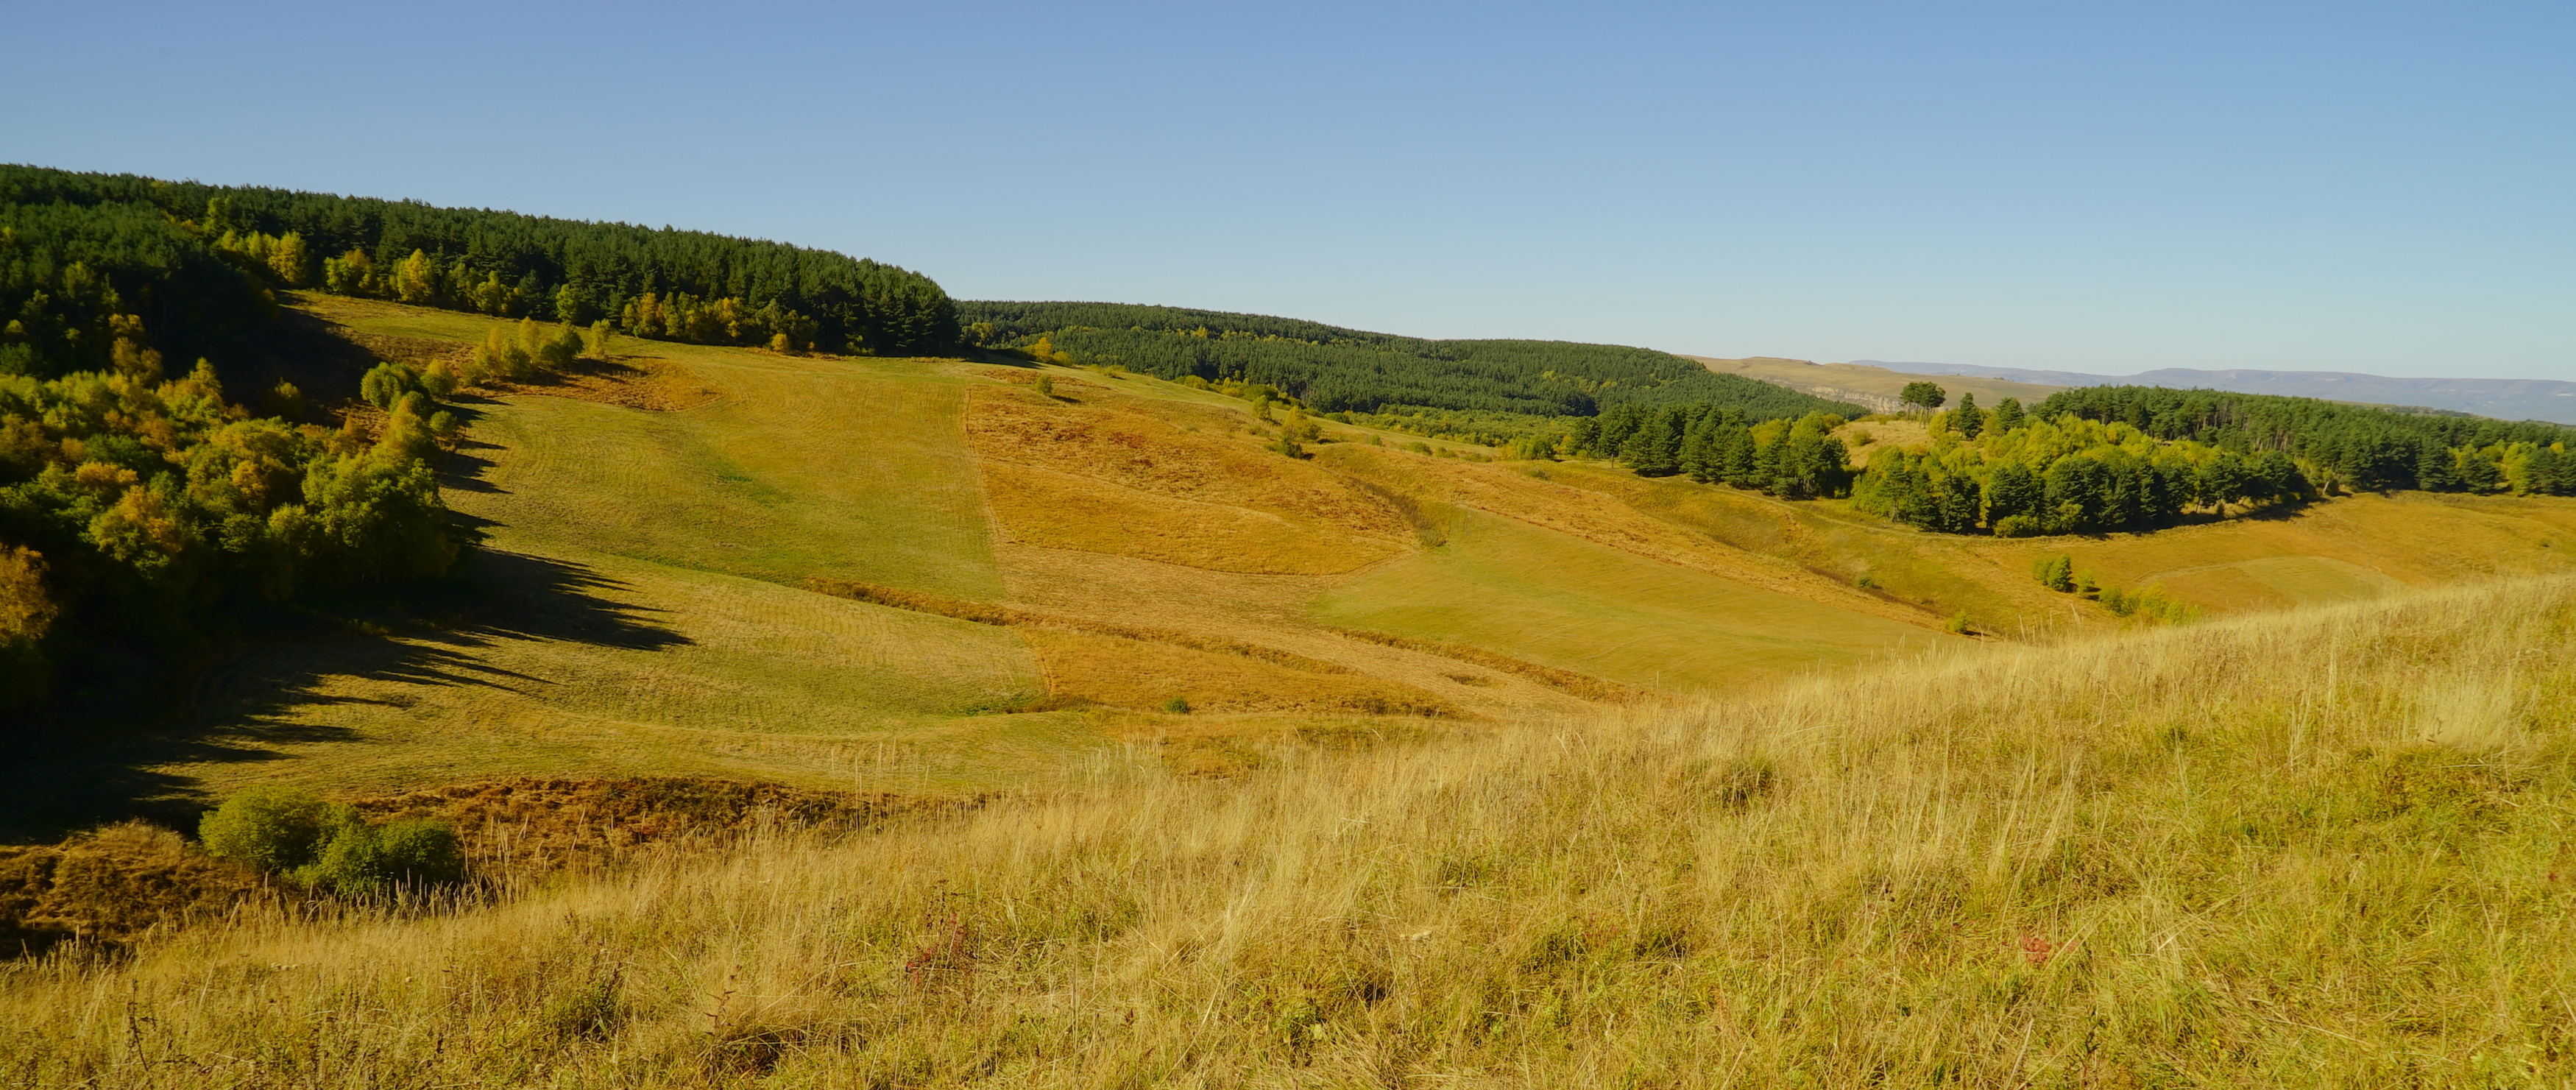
(2506, 399)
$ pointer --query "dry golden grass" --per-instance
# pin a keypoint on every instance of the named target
(1124, 593)
(2344, 549)
(527, 828)
(1055, 510)
(1143, 675)
(111, 886)
(633, 381)
(2315, 849)
(1577, 605)
(1006, 616)
(1842, 380)
(1589, 501)
(643, 669)
(1563, 681)
(1882, 434)
(1170, 448)
(673, 644)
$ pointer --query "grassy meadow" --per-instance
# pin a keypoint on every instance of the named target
(1563, 601)
(2318, 848)
(638, 606)
(803, 720)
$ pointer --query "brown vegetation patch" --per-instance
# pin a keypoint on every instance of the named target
(530, 825)
(1028, 376)
(1112, 442)
(416, 351)
(110, 886)
(1885, 433)
(1062, 511)
(981, 613)
(1564, 681)
(1129, 673)
(635, 382)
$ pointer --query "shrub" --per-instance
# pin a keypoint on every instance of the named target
(2018, 526)
(549, 350)
(2149, 603)
(440, 380)
(1177, 705)
(330, 846)
(361, 859)
(2057, 573)
(272, 828)
(386, 383)
(284, 400)
(350, 862)
(502, 358)
(423, 850)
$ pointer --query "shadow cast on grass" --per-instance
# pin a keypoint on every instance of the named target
(103, 762)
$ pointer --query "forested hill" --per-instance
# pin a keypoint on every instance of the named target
(78, 250)
(148, 511)
(1346, 370)
(2356, 446)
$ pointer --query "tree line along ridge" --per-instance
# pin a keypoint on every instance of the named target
(193, 261)
(1334, 370)
(2091, 460)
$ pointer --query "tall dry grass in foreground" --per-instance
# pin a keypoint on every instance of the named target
(2321, 849)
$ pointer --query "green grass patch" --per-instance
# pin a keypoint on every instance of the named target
(1559, 601)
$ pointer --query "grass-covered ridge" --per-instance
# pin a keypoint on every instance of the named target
(2309, 849)
(1333, 369)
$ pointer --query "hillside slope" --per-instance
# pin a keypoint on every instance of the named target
(1875, 387)
(2322, 848)
(929, 575)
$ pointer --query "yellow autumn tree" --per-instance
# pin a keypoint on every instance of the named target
(416, 279)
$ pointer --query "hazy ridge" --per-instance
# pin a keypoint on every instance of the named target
(2505, 399)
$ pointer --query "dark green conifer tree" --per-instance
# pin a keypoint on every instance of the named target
(2480, 473)
(1700, 459)
(2434, 471)
(2011, 489)
(1655, 448)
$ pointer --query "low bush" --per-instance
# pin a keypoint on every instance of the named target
(272, 828)
(330, 846)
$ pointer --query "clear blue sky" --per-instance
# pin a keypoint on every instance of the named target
(2352, 186)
